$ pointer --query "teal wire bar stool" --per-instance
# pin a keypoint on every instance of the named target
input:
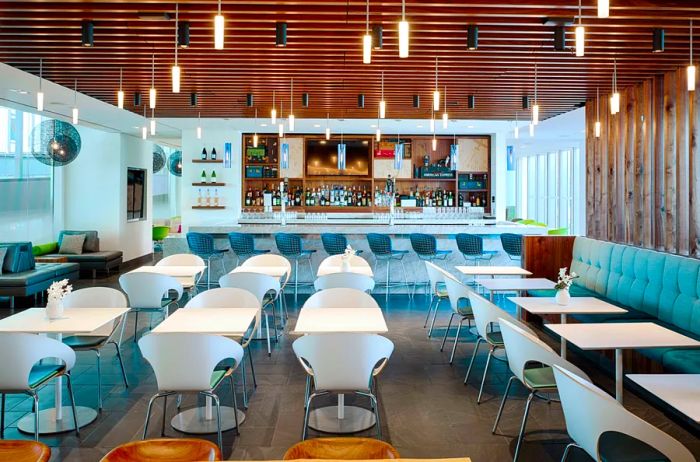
(290, 247)
(381, 247)
(425, 246)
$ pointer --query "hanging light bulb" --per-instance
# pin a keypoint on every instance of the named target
(597, 113)
(580, 34)
(536, 106)
(75, 103)
(40, 93)
(328, 127)
(219, 30)
(379, 135)
(153, 122)
(291, 105)
(603, 8)
(532, 130)
(403, 32)
(152, 91)
(615, 98)
(691, 67)
(273, 112)
(144, 129)
(199, 126)
(255, 134)
(434, 143)
(382, 103)
(176, 69)
(445, 117)
(120, 93)
(436, 93)
(367, 41)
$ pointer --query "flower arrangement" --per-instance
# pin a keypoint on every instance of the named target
(565, 280)
(349, 251)
(58, 290)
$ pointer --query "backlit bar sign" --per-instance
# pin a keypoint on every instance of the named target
(227, 155)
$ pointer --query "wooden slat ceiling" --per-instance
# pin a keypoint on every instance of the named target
(324, 56)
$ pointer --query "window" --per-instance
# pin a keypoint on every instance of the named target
(135, 194)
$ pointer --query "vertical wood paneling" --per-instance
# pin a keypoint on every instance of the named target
(612, 176)
(601, 169)
(694, 168)
(658, 121)
(670, 180)
(647, 207)
(638, 196)
(682, 166)
(591, 191)
(628, 188)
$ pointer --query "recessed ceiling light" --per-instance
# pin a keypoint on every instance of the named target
(317, 125)
(470, 126)
(263, 124)
(373, 126)
(419, 126)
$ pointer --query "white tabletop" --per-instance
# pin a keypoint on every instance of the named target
(496, 285)
(274, 271)
(324, 270)
(621, 335)
(493, 271)
(219, 321)
(174, 271)
(336, 320)
(577, 305)
(74, 321)
(681, 391)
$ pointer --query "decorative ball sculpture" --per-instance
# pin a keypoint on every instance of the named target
(158, 158)
(55, 143)
(175, 163)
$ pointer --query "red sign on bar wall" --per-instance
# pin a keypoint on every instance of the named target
(385, 150)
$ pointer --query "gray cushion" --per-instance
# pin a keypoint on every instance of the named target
(3, 251)
(72, 244)
(92, 242)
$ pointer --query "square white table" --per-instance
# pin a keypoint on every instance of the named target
(185, 275)
(274, 271)
(621, 336)
(341, 418)
(325, 270)
(515, 285)
(229, 322)
(577, 305)
(493, 271)
(682, 391)
(74, 321)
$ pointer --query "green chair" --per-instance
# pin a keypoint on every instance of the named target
(538, 223)
(558, 232)
(159, 234)
(526, 222)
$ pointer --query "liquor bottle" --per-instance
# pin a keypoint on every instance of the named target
(213, 176)
(216, 197)
(208, 198)
(248, 197)
(199, 198)
(203, 176)
(204, 153)
(213, 153)
(460, 200)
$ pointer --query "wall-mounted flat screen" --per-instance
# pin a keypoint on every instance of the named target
(135, 194)
(322, 157)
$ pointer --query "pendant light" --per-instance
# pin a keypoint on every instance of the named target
(40, 93)
(603, 8)
(436, 93)
(199, 125)
(403, 32)
(516, 130)
(152, 91)
(379, 132)
(367, 41)
(328, 126)
(281, 121)
(691, 67)
(445, 117)
(219, 30)
(382, 103)
(615, 98)
(153, 122)
(342, 151)
(291, 106)
(597, 113)
(75, 103)
(432, 124)
(120, 93)
(434, 143)
(176, 69)
(398, 150)
(255, 133)
(273, 112)
(580, 34)
(454, 153)
(536, 106)
(144, 129)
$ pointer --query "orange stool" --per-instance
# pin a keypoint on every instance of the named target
(342, 449)
(165, 450)
(24, 451)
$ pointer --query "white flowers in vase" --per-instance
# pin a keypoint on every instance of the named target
(345, 259)
(56, 292)
(562, 286)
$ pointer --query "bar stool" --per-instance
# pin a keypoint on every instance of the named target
(425, 246)
(243, 246)
(202, 245)
(335, 243)
(290, 247)
(512, 245)
(381, 248)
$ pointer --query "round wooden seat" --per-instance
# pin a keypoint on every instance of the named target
(165, 450)
(24, 451)
(342, 449)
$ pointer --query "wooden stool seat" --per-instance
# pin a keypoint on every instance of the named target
(24, 451)
(342, 449)
(165, 450)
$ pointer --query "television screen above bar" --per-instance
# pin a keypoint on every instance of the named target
(322, 157)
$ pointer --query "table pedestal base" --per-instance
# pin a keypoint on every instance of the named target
(357, 419)
(48, 425)
(194, 421)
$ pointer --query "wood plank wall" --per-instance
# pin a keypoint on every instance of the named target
(643, 173)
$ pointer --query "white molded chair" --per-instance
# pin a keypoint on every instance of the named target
(336, 261)
(342, 363)
(22, 374)
(458, 295)
(590, 413)
(438, 292)
(486, 316)
(271, 259)
(341, 298)
(185, 259)
(345, 280)
(149, 292)
(525, 349)
(186, 363)
(98, 297)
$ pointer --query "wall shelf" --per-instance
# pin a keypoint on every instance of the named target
(205, 185)
(208, 161)
(208, 207)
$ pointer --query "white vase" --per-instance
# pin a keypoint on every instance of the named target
(54, 309)
(345, 265)
(562, 297)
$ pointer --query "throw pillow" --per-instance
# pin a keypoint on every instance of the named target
(3, 251)
(72, 244)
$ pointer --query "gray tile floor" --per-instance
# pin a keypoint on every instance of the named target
(426, 410)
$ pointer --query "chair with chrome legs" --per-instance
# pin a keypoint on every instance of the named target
(290, 247)
(458, 295)
(605, 430)
(267, 261)
(512, 245)
(21, 373)
(425, 247)
(186, 363)
(341, 297)
(185, 259)
(335, 243)
(342, 363)
(235, 298)
(382, 249)
(438, 292)
(530, 360)
(346, 280)
(202, 245)
(98, 297)
(243, 246)
(471, 247)
(486, 316)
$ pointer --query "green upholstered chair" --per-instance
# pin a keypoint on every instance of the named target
(558, 232)
(159, 234)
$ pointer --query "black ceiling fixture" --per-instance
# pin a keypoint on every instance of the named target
(305, 100)
(193, 99)
(183, 34)
(559, 38)
(658, 40)
(137, 98)
(472, 37)
(361, 101)
(249, 100)
(377, 36)
(526, 102)
(471, 102)
(416, 101)
(88, 34)
(281, 34)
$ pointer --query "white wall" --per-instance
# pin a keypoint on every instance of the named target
(135, 236)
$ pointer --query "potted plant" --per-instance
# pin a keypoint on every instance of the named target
(56, 291)
(562, 287)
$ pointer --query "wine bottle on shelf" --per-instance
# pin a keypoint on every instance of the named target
(216, 197)
(204, 153)
(208, 198)
(213, 153)
(203, 176)
(460, 200)
(213, 176)
(199, 198)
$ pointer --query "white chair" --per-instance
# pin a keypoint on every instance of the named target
(347, 280)
(184, 259)
(342, 363)
(270, 259)
(22, 374)
(341, 298)
(486, 316)
(524, 349)
(233, 298)
(458, 295)
(336, 261)
(98, 297)
(438, 292)
(149, 293)
(186, 363)
(591, 414)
